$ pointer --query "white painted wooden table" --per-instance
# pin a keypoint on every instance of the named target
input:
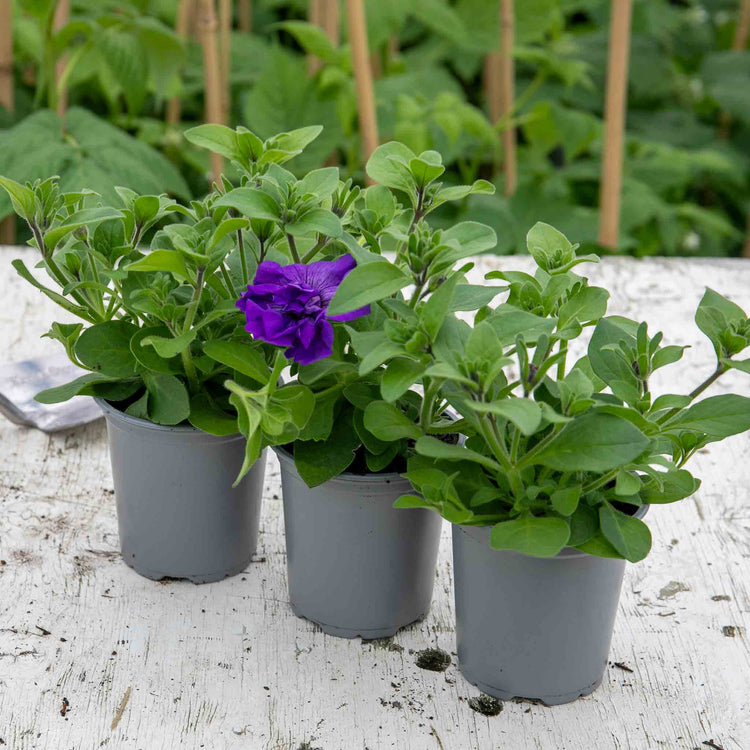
(147, 666)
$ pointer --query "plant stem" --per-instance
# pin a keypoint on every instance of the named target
(561, 362)
(243, 259)
(597, 483)
(278, 367)
(319, 245)
(715, 375)
(187, 359)
(425, 416)
(228, 281)
(293, 248)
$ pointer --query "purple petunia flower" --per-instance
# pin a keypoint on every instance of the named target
(287, 305)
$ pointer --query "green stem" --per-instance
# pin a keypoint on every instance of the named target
(228, 281)
(528, 459)
(561, 362)
(293, 248)
(717, 373)
(319, 245)
(597, 483)
(278, 367)
(243, 259)
(187, 360)
(425, 415)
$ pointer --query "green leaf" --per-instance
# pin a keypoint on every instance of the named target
(474, 238)
(423, 172)
(627, 534)
(319, 461)
(592, 442)
(565, 500)
(81, 218)
(217, 138)
(387, 422)
(537, 537)
(550, 248)
(627, 484)
(717, 416)
(147, 355)
(251, 202)
(383, 166)
(434, 448)
(714, 315)
(168, 401)
(589, 303)
(245, 358)
(400, 374)
(666, 356)
(676, 485)
(105, 347)
(170, 261)
(321, 183)
(65, 392)
(168, 347)
(206, 416)
(318, 220)
(21, 197)
(366, 284)
(472, 297)
(523, 412)
(605, 360)
(437, 307)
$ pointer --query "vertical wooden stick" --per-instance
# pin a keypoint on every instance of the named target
(331, 22)
(614, 122)
(368, 126)
(225, 42)
(315, 16)
(7, 225)
(507, 89)
(182, 29)
(739, 42)
(492, 90)
(62, 13)
(207, 25)
(245, 15)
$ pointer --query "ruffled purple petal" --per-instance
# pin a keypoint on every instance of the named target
(320, 345)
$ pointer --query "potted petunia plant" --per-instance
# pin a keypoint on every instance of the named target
(560, 465)
(154, 286)
(356, 565)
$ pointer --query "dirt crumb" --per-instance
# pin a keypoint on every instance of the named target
(433, 659)
(486, 705)
(385, 644)
(721, 598)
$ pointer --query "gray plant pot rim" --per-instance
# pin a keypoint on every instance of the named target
(139, 423)
(349, 477)
(482, 534)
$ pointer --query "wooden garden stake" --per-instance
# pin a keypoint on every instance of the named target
(739, 42)
(324, 14)
(182, 29)
(62, 13)
(8, 225)
(225, 46)
(245, 15)
(507, 94)
(214, 103)
(614, 122)
(368, 126)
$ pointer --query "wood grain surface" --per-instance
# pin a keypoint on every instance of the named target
(92, 655)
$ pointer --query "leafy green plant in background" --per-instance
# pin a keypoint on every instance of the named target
(685, 187)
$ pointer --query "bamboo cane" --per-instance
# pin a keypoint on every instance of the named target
(7, 225)
(245, 15)
(739, 42)
(507, 90)
(225, 47)
(331, 22)
(614, 122)
(368, 126)
(62, 14)
(207, 25)
(315, 16)
(182, 29)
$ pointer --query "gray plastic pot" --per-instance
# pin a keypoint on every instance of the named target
(177, 512)
(529, 627)
(356, 565)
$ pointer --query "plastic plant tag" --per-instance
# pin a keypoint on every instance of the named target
(21, 381)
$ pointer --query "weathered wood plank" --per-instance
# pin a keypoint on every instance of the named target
(227, 665)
